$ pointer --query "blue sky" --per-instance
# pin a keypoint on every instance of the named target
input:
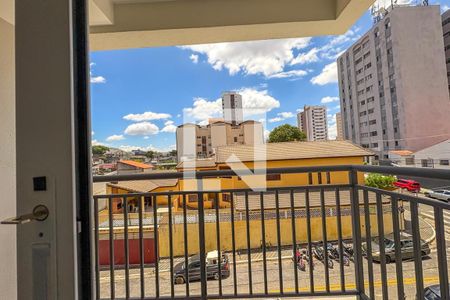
(139, 96)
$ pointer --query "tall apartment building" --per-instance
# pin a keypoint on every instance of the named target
(393, 83)
(446, 34)
(313, 122)
(339, 129)
(195, 141)
(232, 108)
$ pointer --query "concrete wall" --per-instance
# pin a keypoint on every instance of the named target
(8, 283)
(256, 233)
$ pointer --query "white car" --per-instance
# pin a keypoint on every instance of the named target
(439, 194)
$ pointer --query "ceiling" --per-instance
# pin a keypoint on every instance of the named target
(120, 24)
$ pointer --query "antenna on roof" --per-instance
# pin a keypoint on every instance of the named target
(425, 2)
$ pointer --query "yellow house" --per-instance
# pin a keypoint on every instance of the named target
(267, 156)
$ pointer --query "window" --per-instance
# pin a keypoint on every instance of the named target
(367, 66)
(396, 143)
(373, 133)
(409, 161)
(374, 145)
(371, 99)
(192, 198)
(363, 113)
(273, 177)
(363, 135)
(361, 92)
(370, 111)
(366, 55)
(368, 77)
(235, 139)
(444, 162)
(363, 102)
(369, 88)
(226, 197)
(372, 122)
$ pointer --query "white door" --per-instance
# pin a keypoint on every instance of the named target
(47, 169)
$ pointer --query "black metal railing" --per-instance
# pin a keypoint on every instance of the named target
(267, 243)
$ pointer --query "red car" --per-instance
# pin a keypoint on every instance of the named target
(410, 185)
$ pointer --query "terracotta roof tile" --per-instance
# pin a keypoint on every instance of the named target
(136, 164)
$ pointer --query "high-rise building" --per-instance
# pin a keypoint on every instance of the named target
(232, 108)
(393, 83)
(313, 122)
(339, 129)
(446, 33)
(195, 141)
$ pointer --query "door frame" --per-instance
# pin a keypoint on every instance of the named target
(82, 120)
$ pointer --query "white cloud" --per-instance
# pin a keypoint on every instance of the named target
(289, 74)
(168, 122)
(328, 75)
(202, 109)
(98, 79)
(146, 137)
(256, 57)
(194, 58)
(146, 116)
(388, 3)
(332, 128)
(307, 57)
(329, 99)
(92, 132)
(129, 148)
(255, 102)
(96, 143)
(169, 128)
(115, 137)
(276, 119)
(299, 110)
(143, 128)
(444, 8)
(281, 117)
(266, 134)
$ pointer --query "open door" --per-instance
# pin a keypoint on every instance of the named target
(52, 150)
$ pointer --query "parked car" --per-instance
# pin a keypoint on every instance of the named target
(406, 247)
(410, 185)
(432, 292)
(439, 194)
(193, 266)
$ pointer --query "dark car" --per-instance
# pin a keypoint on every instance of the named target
(406, 247)
(193, 267)
(432, 292)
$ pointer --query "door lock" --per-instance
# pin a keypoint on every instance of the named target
(40, 213)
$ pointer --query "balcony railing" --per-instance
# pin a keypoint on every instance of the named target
(288, 241)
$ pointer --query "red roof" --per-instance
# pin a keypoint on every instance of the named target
(137, 164)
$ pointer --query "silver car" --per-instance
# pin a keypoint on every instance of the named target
(439, 194)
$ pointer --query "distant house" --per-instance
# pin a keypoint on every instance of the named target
(436, 156)
(132, 167)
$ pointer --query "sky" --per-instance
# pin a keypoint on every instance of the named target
(139, 96)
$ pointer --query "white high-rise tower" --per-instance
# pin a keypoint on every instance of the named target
(232, 108)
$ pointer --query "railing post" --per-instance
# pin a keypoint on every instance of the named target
(356, 232)
(201, 233)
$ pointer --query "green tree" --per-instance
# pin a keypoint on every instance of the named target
(385, 182)
(150, 154)
(173, 153)
(286, 133)
(99, 149)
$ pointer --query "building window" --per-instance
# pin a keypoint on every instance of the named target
(235, 139)
(396, 143)
(370, 111)
(409, 161)
(426, 163)
(192, 198)
(273, 177)
(373, 133)
(374, 145)
(444, 162)
(367, 66)
(226, 197)
(372, 122)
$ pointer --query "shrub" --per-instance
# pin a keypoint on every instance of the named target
(380, 181)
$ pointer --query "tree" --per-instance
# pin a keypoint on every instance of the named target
(150, 154)
(173, 153)
(99, 149)
(286, 133)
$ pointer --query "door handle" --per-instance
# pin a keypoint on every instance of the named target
(40, 213)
